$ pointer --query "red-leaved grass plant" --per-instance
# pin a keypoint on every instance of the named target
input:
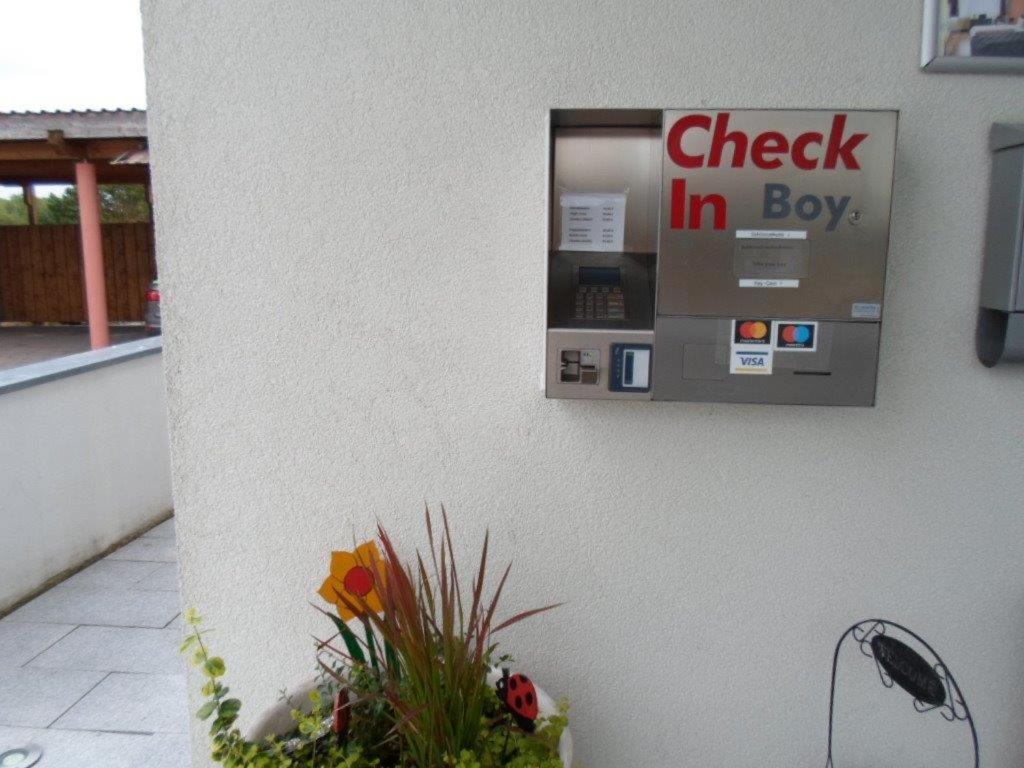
(430, 650)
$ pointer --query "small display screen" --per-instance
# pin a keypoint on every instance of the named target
(600, 276)
(631, 368)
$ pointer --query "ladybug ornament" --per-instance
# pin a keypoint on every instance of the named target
(519, 696)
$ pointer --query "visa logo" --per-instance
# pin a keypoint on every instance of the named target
(752, 361)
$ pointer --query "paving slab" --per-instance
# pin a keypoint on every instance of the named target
(36, 697)
(115, 649)
(90, 670)
(131, 703)
(112, 573)
(104, 606)
(163, 579)
(147, 549)
(22, 641)
(82, 749)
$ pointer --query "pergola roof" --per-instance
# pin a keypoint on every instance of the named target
(43, 147)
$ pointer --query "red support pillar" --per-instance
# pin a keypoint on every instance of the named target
(92, 254)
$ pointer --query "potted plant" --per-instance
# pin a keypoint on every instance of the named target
(410, 678)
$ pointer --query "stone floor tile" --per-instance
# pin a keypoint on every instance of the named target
(163, 579)
(96, 659)
(34, 698)
(153, 550)
(83, 749)
(106, 606)
(115, 649)
(112, 573)
(131, 703)
(22, 641)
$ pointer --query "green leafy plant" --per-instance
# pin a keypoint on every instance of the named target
(412, 691)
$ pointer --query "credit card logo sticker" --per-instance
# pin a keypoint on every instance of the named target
(796, 336)
(751, 351)
(752, 332)
(746, 361)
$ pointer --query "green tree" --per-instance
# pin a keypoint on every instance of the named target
(123, 203)
(118, 203)
(13, 211)
(58, 209)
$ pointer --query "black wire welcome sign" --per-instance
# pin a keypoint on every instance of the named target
(891, 673)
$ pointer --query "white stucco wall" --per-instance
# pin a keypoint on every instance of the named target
(83, 464)
(352, 238)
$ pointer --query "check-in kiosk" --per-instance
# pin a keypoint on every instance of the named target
(718, 254)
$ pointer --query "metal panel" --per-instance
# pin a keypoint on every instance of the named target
(827, 245)
(637, 282)
(692, 363)
(845, 265)
(611, 160)
(769, 259)
(1002, 279)
(606, 118)
(561, 339)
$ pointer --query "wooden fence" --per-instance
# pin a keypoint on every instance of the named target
(41, 272)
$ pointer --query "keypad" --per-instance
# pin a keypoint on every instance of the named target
(599, 302)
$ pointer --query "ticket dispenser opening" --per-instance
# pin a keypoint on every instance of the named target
(718, 255)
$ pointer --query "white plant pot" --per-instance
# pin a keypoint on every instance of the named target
(277, 720)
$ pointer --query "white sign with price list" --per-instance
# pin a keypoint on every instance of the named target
(593, 221)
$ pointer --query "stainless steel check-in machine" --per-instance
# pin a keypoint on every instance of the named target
(718, 254)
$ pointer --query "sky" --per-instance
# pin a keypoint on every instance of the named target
(70, 54)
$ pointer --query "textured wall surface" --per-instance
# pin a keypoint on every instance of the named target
(83, 464)
(351, 234)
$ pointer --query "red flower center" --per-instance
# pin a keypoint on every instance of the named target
(359, 581)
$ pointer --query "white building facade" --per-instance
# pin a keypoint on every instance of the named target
(352, 236)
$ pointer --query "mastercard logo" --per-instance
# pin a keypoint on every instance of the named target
(753, 331)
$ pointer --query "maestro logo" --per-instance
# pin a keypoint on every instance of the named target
(797, 336)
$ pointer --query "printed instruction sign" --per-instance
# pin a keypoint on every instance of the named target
(754, 282)
(771, 258)
(593, 221)
(771, 234)
(752, 348)
(867, 310)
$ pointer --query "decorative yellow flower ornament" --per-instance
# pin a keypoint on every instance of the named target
(354, 574)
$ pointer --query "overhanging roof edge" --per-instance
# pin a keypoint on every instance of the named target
(85, 124)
